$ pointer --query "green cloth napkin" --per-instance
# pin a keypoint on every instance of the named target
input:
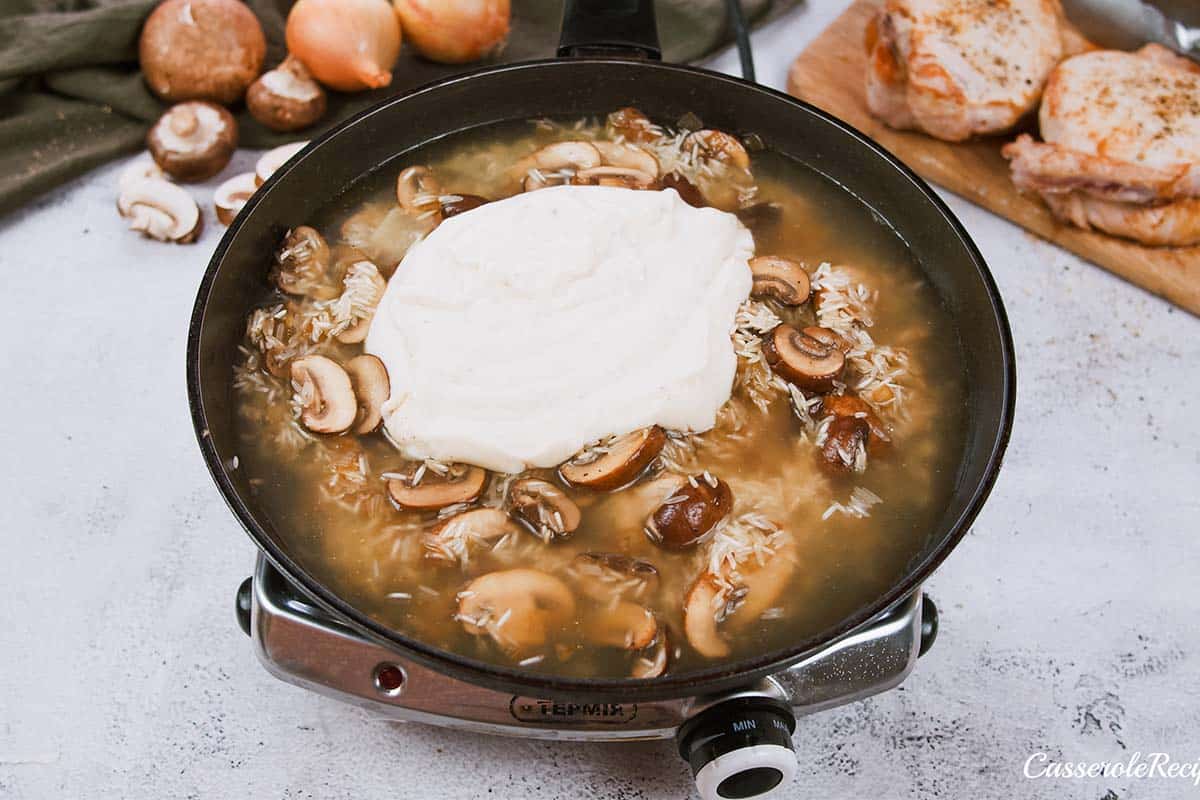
(71, 97)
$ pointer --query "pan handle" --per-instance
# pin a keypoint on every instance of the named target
(609, 27)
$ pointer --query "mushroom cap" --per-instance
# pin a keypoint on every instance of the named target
(518, 608)
(780, 279)
(699, 618)
(802, 360)
(827, 337)
(417, 192)
(544, 507)
(631, 124)
(629, 156)
(845, 445)
(848, 405)
(719, 146)
(327, 399)
(629, 626)
(231, 195)
(654, 663)
(160, 210)
(286, 98)
(461, 484)
(573, 154)
(625, 460)
(691, 512)
(193, 141)
(463, 530)
(369, 378)
(275, 158)
(201, 50)
(302, 262)
(603, 575)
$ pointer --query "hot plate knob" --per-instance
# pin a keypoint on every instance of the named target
(740, 748)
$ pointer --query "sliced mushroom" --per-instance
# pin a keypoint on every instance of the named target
(701, 606)
(691, 512)
(623, 177)
(764, 584)
(688, 191)
(719, 146)
(160, 210)
(462, 203)
(518, 608)
(232, 195)
(574, 155)
(193, 141)
(272, 160)
(844, 448)
(632, 125)
(453, 539)
(286, 98)
(618, 464)
(364, 287)
(324, 393)
(616, 154)
(626, 625)
(302, 262)
(462, 483)
(605, 575)
(417, 191)
(369, 378)
(848, 405)
(827, 337)
(780, 279)
(810, 364)
(544, 507)
(653, 663)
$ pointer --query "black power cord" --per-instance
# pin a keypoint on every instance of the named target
(741, 35)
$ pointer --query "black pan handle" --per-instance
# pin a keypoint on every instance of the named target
(609, 27)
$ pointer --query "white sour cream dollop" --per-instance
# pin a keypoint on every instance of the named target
(519, 332)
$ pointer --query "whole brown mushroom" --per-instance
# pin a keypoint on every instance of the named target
(201, 50)
(193, 141)
(286, 98)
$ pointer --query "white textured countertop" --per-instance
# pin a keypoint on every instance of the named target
(1069, 614)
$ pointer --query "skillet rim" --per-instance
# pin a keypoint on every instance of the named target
(670, 686)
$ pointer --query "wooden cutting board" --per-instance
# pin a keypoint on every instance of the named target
(830, 75)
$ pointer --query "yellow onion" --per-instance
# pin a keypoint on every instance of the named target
(348, 45)
(454, 31)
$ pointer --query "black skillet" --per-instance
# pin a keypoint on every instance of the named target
(608, 60)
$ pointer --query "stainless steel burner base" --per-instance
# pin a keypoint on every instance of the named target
(303, 645)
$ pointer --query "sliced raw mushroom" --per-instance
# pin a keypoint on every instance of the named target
(616, 154)
(160, 210)
(302, 262)
(691, 513)
(844, 446)
(417, 192)
(324, 394)
(626, 625)
(622, 177)
(453, 538)
(632, 125)
(193, 141)
(455, 204)
(653, 663)
(364, 287)
(544, 507)
(617, 464)
(272, 160)
(780, 279)
(719, 146)
(428, 490)
(518, 608)
(809, 363)
(232, 195)
(688, 191)
(286, 98)
(605, 575)
(848, 405)
(369, 379)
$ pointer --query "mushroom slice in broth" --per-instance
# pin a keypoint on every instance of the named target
(323, 394)
(519, 609)
(544, 508)
(429, 489)
(369, 379)
(617, 463)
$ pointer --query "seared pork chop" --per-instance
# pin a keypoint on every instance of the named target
(956, 68)
(1121, 149)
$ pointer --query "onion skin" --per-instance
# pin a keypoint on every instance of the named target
(454, 31)
(348, 45)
